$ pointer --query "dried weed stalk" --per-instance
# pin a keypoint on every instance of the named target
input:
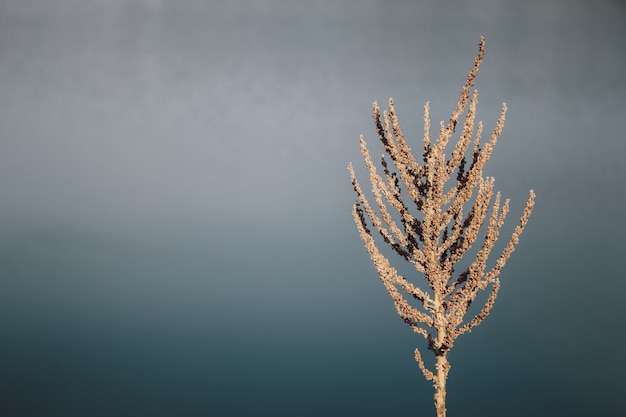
(431, 218)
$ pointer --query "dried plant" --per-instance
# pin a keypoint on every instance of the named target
(428, 214)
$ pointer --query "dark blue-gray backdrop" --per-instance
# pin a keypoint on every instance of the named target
(175, 230)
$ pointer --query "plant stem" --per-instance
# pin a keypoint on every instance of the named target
(443, 366)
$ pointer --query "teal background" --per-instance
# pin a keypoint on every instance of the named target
(175, 228)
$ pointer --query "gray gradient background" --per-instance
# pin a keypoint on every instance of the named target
(175, 230)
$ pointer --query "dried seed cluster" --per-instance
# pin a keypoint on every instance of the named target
(431, 212)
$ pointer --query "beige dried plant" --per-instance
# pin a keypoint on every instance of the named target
(431, 213)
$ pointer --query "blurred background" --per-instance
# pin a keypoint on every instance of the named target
(175, 227)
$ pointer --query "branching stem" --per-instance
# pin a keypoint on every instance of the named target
(451, 200)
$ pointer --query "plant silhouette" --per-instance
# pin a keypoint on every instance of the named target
(431, 214)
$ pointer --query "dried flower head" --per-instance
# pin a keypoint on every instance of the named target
(431, 212)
